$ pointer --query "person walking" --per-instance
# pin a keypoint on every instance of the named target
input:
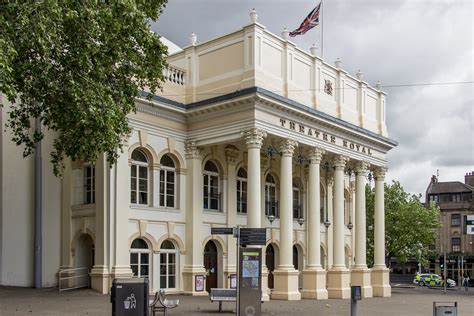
(465, 282)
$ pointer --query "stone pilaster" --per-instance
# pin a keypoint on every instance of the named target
(194, 258)
(380, 272)
(100, 271)
(286, 277)
(314, 276)
(360, 274)
(338, 275)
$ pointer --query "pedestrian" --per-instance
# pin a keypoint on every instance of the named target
(465, 282)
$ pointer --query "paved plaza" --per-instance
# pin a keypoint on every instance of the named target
(404, 301)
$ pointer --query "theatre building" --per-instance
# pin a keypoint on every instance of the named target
(248, 131)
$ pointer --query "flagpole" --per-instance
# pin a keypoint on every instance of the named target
(322, 30)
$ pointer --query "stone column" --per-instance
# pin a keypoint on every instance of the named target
(265, 289)
(121, 209)
(231, 154)
(100, 271)
(254, 141)
(66, 222)
(338, 275)
(380, 273)
(314, 276)
(194, 264)
(330, 228)
(360, 273)
(286, 277)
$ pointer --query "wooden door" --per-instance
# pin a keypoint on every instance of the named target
(270, 261)
(210, 264)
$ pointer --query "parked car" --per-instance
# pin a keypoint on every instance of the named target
(428, 279)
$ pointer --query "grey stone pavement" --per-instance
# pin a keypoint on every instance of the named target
(404, 301)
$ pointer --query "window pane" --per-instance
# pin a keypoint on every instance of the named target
(171, 282)
(172, 258)
(170, 201)
(167, 161)
(172, 269)
(133, 197)
(133, 184)
(134, 268)
(133, 171)
(144, 270)
(144, 258)
(142, 185)
(143, 172)
(143, 198)
(214, 204)
(163, 269)
(162, 200)
(163, 282)
(170, 176)
(134, 258)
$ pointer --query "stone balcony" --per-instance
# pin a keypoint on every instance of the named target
(253, 56)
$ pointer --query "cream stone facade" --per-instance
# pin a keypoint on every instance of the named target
(248, 131)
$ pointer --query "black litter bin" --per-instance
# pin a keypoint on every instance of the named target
(129, 297)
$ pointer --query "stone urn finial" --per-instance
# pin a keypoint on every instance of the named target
(378, 85)
(285, 34)
(193, 38)
(338, 63)
(253, 16)
(314, 50)
(359, 75)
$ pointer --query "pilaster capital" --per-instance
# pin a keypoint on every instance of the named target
(287, 146)
(191, 150)
(254, 137)
(315, 155)
(380, 173)
(339, 162)
(362, 168)
(231, 155)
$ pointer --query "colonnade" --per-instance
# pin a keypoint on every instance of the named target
(317, 282)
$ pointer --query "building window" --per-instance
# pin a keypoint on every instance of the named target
(139, 178)
(140, 258)
(455, 219)
(242, 191)
(168, 265)
(167, 182)
(89, 184)
(211, 187)
(456, 244)
(297, 211)
(271, 207)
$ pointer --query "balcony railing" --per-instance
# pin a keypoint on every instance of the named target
(213, 202)
(174, 75)
(271, 208)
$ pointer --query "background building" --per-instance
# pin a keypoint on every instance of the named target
(248, 131)
(455, 201)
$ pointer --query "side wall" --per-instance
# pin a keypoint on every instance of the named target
(17, 214)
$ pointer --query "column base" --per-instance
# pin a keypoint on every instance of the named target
(120, 272)
(286, 285)
(381, 282)
(314, 284)
(339, 280)
(100, 279)
(189, 285)
(361, 276)
(265, 289)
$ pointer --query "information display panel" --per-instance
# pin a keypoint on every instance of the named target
(250, 281)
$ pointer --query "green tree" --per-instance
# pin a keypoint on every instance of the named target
(78, 66)
(409, 226)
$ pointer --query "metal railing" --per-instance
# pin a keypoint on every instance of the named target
(74, 278)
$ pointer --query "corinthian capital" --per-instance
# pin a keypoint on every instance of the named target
(315, 155)
(254, 137)
(362, 168)
(339, 162)
(380, 172)
(191, 150)
(287, 146)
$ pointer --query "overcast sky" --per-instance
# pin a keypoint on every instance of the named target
(394, 41)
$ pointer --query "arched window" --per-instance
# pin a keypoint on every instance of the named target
(270, 196)
(297, 210)
(167, 182)
(139, 178)
(211, 187)
(242, 191)
(140, 258)
(168, 265)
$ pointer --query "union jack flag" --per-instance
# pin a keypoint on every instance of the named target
(309, 22)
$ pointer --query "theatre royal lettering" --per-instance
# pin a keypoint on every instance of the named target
(324, 136)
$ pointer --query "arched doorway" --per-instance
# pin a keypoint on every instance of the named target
(270, 261)
(84, 259)
(211, 265)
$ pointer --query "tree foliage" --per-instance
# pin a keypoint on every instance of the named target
(78, 65)
(409, 226)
